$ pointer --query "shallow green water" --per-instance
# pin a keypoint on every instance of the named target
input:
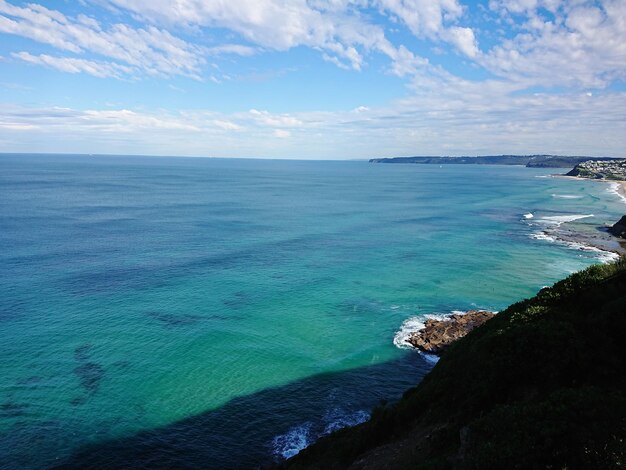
(139, 292)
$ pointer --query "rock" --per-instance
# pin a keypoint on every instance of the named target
(619, 229)
(437, 335)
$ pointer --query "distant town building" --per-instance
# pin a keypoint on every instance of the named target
(601, 169)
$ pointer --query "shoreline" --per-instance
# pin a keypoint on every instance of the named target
(620, 185)
(604, 240)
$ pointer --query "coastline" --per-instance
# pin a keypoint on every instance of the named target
(582, 236)
(620, 186)
(451, 419)
(601, 240)
(621, 189)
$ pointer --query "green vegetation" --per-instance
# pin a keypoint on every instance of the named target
(541, 385)
(601, 169)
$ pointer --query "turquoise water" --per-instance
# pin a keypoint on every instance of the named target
(221, 313)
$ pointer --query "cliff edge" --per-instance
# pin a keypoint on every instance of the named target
(619, 228)
(540, 385)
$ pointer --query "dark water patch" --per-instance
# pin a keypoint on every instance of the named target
(12, 410)
(237, 300)
(90, 375)
(78, 401)
(409, 255)
(254, 429)
(31, 381)
(172, 320)
(122, 364)
(10, 311)
(160, 274)
(83, 352)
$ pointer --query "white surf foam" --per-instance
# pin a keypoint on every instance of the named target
(285, 446)
(529, 215)
(430, 358)
(293, 441)
(411, 325)
(614, 188)
(408, 326)
(558, 220)
(543, 236)
(337, 419)
(602, 255)
(566, 196)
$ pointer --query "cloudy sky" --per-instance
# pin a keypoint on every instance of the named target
(313, 78)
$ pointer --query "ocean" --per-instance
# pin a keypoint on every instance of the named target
(223, 313)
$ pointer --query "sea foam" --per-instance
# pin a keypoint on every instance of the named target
(558, 220)
(293, 441)
(614, 188)
(413, 324)
(602, 255)
(299, 437)
(337, 419)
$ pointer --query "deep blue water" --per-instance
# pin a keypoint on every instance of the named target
(220, 313)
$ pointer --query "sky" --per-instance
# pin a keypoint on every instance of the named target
(314, 79)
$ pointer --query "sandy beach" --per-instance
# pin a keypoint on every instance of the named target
(621, 185)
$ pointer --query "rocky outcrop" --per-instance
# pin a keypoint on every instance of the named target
(437, 335)
(619, 229)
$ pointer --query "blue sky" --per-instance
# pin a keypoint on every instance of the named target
(326, 79)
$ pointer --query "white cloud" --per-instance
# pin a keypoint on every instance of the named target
(577, 46)
(281, 134)
(227, 125)
(275, 120)
(336, 27)
(236, 49)
(583, 44)
(431, 19)
(445, 115)
(152, 50)
(72, 65)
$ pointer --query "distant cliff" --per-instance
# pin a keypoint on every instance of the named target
(600, 169)
(540, 385)
(536, 161)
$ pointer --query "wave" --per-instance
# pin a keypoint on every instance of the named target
(413, 324)
(566, 196)
(299, 437)
(602, 255)
(558, 220)
(338, 419)
(293, 441)
(529, 215)
(614, 188)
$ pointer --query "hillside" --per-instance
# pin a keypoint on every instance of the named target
(541, 385)
(601, 169)
(535, 161)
